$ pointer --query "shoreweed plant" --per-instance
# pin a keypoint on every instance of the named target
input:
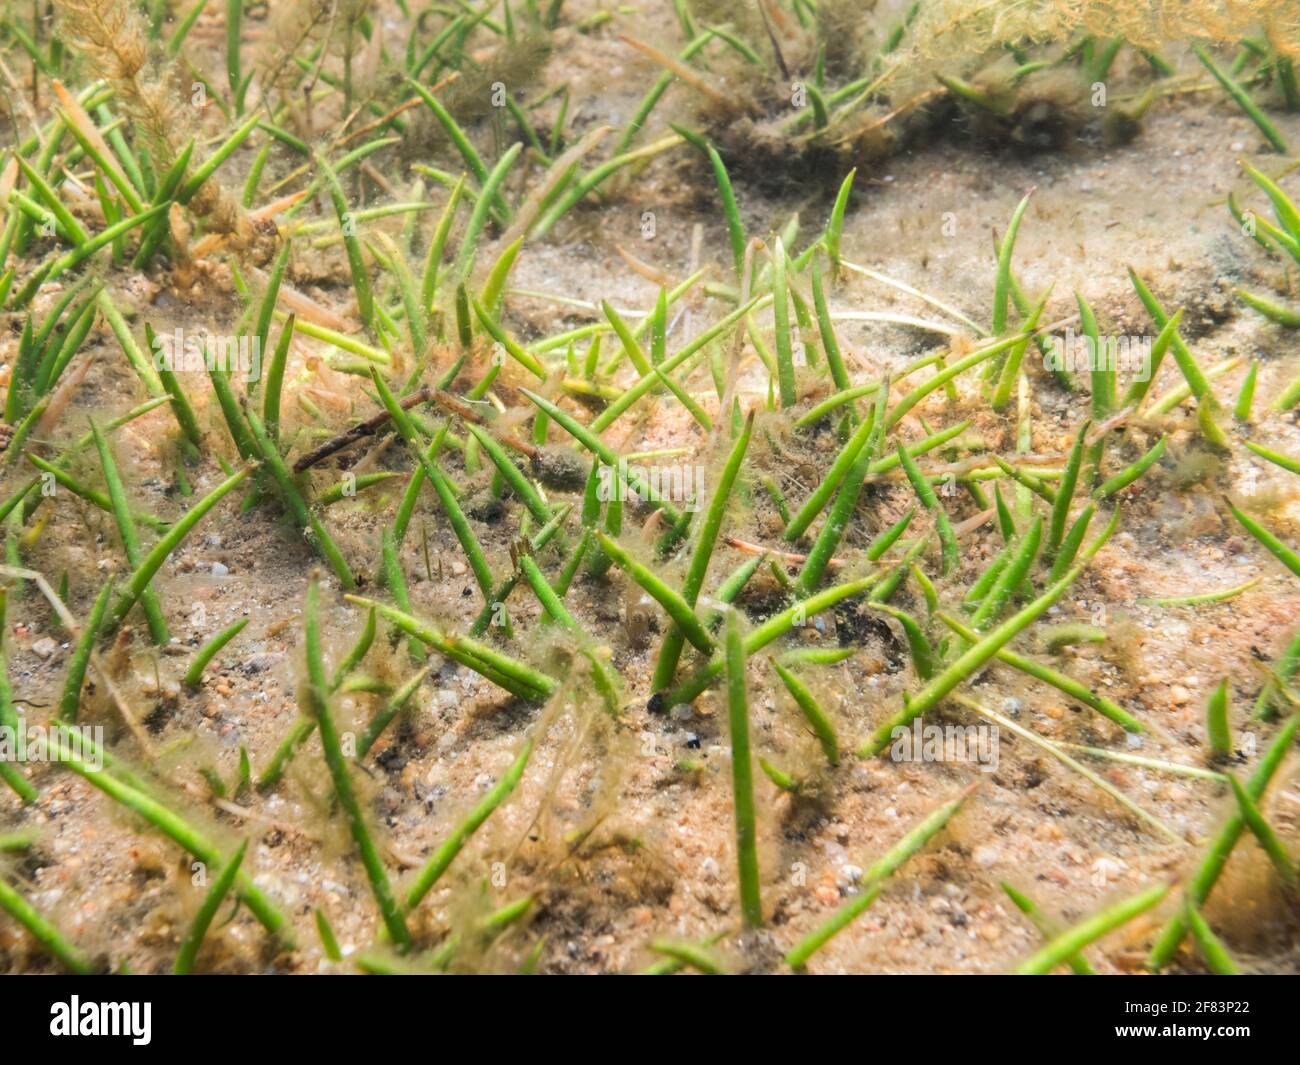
(441, 472)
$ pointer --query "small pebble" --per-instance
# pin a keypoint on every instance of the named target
(260, 662)
(45, 647)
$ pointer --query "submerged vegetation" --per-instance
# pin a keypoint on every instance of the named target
(279, 253)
